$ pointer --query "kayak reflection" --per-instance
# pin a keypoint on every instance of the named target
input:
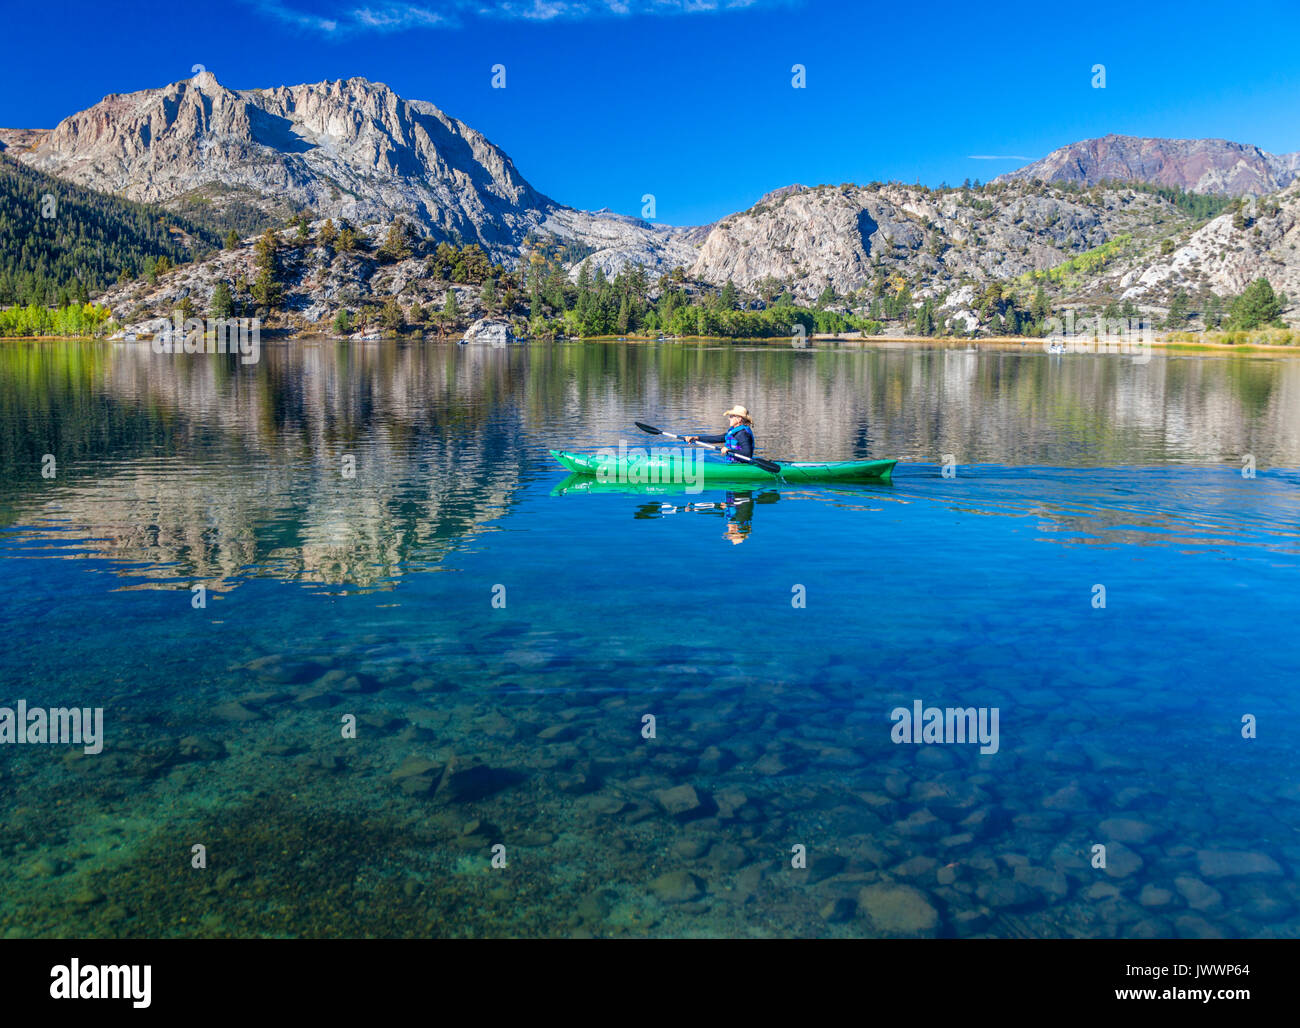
(735, 506)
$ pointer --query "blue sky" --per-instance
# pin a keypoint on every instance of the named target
(691, 100)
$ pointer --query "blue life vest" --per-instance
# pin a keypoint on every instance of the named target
(731, 440)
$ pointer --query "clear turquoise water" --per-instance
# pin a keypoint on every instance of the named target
(373, 596)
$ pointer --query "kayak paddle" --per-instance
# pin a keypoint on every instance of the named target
(771, 467)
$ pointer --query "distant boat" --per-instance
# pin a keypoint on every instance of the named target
(1056, 348)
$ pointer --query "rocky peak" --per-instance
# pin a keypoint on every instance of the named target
(1197, 165)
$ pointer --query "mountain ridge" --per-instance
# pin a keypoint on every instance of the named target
(1197, 165)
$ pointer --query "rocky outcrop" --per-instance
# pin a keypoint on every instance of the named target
(489, 332)
(1197, 165)
(844, 236)
(16, 141)
(1224, 255)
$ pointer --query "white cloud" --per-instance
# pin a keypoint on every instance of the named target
(396, 16)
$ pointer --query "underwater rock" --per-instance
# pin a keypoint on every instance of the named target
(898, 910)
(1192, 926)
(576, 783)
(1261, 902)
(233, 710)
(1039, 821)
(464, 781)
(822, 866)
(684, 802)
(779, 760)
(1236, 864)
(1198, 895)
(316, 699)
(677, 887)
(196, 747)
(1121, 861)
(1051, 883)
(966, 922)
(604, 805)
(416, 733)
(726, 856)
(1006, 894)
(839, 910)
(691, 847)
(921, 824)
(289, 672)
(426, 684)
(416, 776)
(382, 723)
(914, 867)
(1130, 830)
(1154, 896)
(596, 905)
(714, 760)
(87, 896)
(1069, 799)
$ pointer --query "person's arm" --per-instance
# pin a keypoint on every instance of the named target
(746, 447)
(705, 438)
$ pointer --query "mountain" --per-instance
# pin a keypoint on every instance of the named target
(58, 238)
(1196, 165)
(848, 236)
(1091, 224)
(349, 149)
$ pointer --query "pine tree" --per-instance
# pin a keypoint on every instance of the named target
(1040, 308)
(328, 233)
(266, 291)
(1213, 311)
(232, 240)
(1177, 316)
(266, 249)
(343, 322)
(391, 315)
(223, 305)
(396, 246)
(488, 294)
(1257, 305)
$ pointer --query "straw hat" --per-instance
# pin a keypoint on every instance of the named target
(739, 412)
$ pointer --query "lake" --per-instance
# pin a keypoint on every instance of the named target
(371, 663)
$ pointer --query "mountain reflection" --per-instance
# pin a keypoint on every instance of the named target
(346, 466)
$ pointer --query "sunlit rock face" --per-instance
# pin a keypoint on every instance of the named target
(1197, 165)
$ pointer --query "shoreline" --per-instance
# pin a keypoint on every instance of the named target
(947, 342)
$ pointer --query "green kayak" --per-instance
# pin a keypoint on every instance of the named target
(689, 467)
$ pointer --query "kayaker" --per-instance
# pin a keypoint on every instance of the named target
(738, 437)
